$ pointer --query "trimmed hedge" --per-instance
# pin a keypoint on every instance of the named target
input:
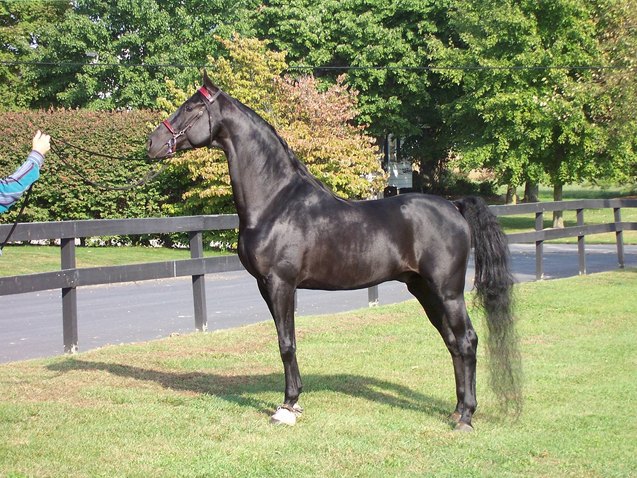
(60, 194)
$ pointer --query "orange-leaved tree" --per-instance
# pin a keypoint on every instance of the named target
(316, 121)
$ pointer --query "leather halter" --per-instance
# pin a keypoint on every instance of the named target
(208, 100)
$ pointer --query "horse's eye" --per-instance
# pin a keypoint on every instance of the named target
(189, 108)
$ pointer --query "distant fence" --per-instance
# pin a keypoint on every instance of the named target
(540, 235)
(69, 278)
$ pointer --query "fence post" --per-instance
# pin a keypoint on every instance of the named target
(581, 245)
(198, 284)
(619, 236)
(539, 247)
(372, 296)
(69, 299)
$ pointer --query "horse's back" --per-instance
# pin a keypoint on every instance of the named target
(428, 215)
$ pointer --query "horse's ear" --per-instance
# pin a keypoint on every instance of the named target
(208, 83)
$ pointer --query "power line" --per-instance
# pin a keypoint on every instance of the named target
(462, 68)
(327, 68)
(107, 65)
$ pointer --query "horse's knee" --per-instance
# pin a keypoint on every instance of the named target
(470, 341)
(288, 350)
(452, 345)
(464, 345)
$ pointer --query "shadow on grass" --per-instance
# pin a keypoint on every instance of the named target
(238, 389)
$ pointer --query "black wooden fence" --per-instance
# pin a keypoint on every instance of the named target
(69, 278)
(540, 235)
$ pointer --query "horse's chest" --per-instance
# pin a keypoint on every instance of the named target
(262, 250)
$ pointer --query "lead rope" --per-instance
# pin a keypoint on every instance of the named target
(54, 147)
(17, 220)
(150, 175)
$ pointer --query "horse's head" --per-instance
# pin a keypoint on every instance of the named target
(193, 125)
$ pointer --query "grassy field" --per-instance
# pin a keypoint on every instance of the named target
(378, 389)
(31, 259)
(574, 191)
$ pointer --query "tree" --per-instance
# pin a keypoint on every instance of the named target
(91, 54)
(250, 76)
(527, 110)
(21, 24)
(618, 36)
(382, 46)
(317, 124)
(378, 38)
(319, 127)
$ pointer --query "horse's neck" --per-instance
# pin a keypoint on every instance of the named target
(260, 167)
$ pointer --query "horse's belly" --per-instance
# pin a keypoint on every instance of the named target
(343, 274)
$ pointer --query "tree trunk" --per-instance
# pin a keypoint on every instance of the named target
(558, 219)
(531, 192)
(512, 195)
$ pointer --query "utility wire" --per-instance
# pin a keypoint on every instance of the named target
(464, 68)
(327, 68)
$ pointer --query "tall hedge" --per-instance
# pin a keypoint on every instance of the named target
(60, 194)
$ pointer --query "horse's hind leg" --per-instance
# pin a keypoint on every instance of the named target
(449, 315)
(280, 299)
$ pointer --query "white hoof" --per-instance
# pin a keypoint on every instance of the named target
(285, 416)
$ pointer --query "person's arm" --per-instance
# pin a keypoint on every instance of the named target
(14, 186)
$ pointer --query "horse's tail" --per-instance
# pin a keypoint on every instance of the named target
(494, 291)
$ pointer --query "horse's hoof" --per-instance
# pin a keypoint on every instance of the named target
(463, 427)
(455, 417)
(286, 415)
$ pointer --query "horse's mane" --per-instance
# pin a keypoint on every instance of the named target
(300, 167)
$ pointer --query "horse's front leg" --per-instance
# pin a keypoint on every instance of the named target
(280, 299)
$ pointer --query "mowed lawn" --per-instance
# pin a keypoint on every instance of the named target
(18, 259)
(378, 390)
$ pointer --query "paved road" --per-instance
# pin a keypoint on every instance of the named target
(31, 324)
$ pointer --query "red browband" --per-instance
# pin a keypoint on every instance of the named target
(206, 94)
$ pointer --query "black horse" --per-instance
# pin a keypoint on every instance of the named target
(295, 233)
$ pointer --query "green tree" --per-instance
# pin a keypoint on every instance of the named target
(618, 37)
(385, 44)
(21, 24)
(93, 50)
(527, 111)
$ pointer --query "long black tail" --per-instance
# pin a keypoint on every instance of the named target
(494, 291)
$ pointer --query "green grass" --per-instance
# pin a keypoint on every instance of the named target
(378, 389)
(574, 191)
(18, 260)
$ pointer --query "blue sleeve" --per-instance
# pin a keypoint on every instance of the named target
(14, 186)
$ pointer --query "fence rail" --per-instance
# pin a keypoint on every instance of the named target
(69, 278)
(540, 235)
